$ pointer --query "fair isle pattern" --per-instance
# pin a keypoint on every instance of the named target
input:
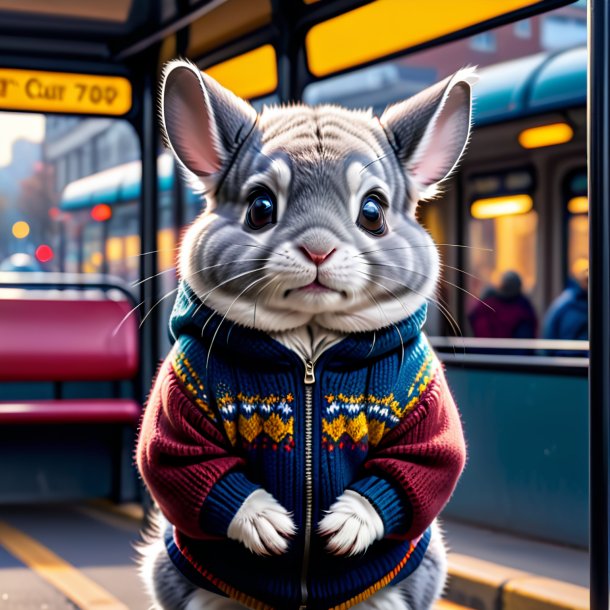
(251, 421)
(265, 422)
(362, 421)
(192, 382)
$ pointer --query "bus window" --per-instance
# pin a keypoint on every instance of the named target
(534, 65)
(74, 182)
(502, 230)
(577, 210)
(499, 244)
(384, 83)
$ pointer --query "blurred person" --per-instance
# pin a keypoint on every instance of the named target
(568, 316)
(504, 312)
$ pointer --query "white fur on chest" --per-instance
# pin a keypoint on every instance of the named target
(309, 341)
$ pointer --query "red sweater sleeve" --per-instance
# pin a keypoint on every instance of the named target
(419, 461)
(182, 455)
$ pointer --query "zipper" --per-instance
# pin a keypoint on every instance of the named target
(309, 381)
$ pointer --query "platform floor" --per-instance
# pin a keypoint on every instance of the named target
(82, 556)
(552, 561)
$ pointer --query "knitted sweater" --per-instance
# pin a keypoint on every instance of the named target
(233, 410)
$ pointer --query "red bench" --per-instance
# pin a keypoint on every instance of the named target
(69, 383)
(59, 340)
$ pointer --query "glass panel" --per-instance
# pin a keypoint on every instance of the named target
(330, 45)
(500, 245)
(379, 85)
(517, 78)
(485, 42)
(78, 200)
(577, 207)
(249, 75)
(578, 245)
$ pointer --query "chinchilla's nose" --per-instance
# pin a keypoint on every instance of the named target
(317, 257)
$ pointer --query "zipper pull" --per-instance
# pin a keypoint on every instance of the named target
(310, 377)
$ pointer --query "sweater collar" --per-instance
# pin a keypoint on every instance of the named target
(190, 317)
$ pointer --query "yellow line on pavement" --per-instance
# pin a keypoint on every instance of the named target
(82, 591)
(490, 586)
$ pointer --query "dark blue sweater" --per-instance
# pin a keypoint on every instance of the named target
(376, 420)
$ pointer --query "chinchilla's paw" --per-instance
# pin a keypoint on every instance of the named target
(351, 524)
(262, 524)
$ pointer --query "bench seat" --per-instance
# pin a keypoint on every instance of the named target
(71, 411)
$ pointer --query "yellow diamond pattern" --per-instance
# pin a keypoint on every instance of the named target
(273, 426)
(356, 428)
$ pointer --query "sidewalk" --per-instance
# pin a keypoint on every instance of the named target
(495, 571)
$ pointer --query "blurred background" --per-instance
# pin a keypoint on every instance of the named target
(70, 192)
(92, 209)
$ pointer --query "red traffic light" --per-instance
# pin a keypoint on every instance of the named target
(101, 212)
(44, 253)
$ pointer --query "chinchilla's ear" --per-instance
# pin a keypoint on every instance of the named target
(430, 130)
(203, 123)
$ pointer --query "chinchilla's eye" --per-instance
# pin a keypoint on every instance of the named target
(371, 217)
(262, 210)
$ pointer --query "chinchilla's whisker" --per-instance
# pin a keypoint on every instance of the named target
(423, 246)
(391, 279)
(376, 302)
(262, 248)
(442, 279)
(150, 277)
(224, 317)
(205, 324)
(237, 260)
(409, 269)
(129, 313)
(380, 158)
(370, 275)
(455, 327)
(402, 351)
(474, 277)
(258, 294)
(154, 252)
(372, 344)
(134, 309)
(165, 296)
(205, 295)
(442, 307)
(230, 331)
(120, 324)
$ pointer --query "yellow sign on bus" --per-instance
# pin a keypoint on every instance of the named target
(64, 92)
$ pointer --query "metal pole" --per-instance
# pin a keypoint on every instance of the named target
(285, 15)
(149, 223)
(598, 121)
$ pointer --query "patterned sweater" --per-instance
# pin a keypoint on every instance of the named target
(233, 410)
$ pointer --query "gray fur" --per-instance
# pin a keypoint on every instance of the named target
(172, 591)
(319, 163)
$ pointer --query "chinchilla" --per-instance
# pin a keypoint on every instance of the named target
(308, 236)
